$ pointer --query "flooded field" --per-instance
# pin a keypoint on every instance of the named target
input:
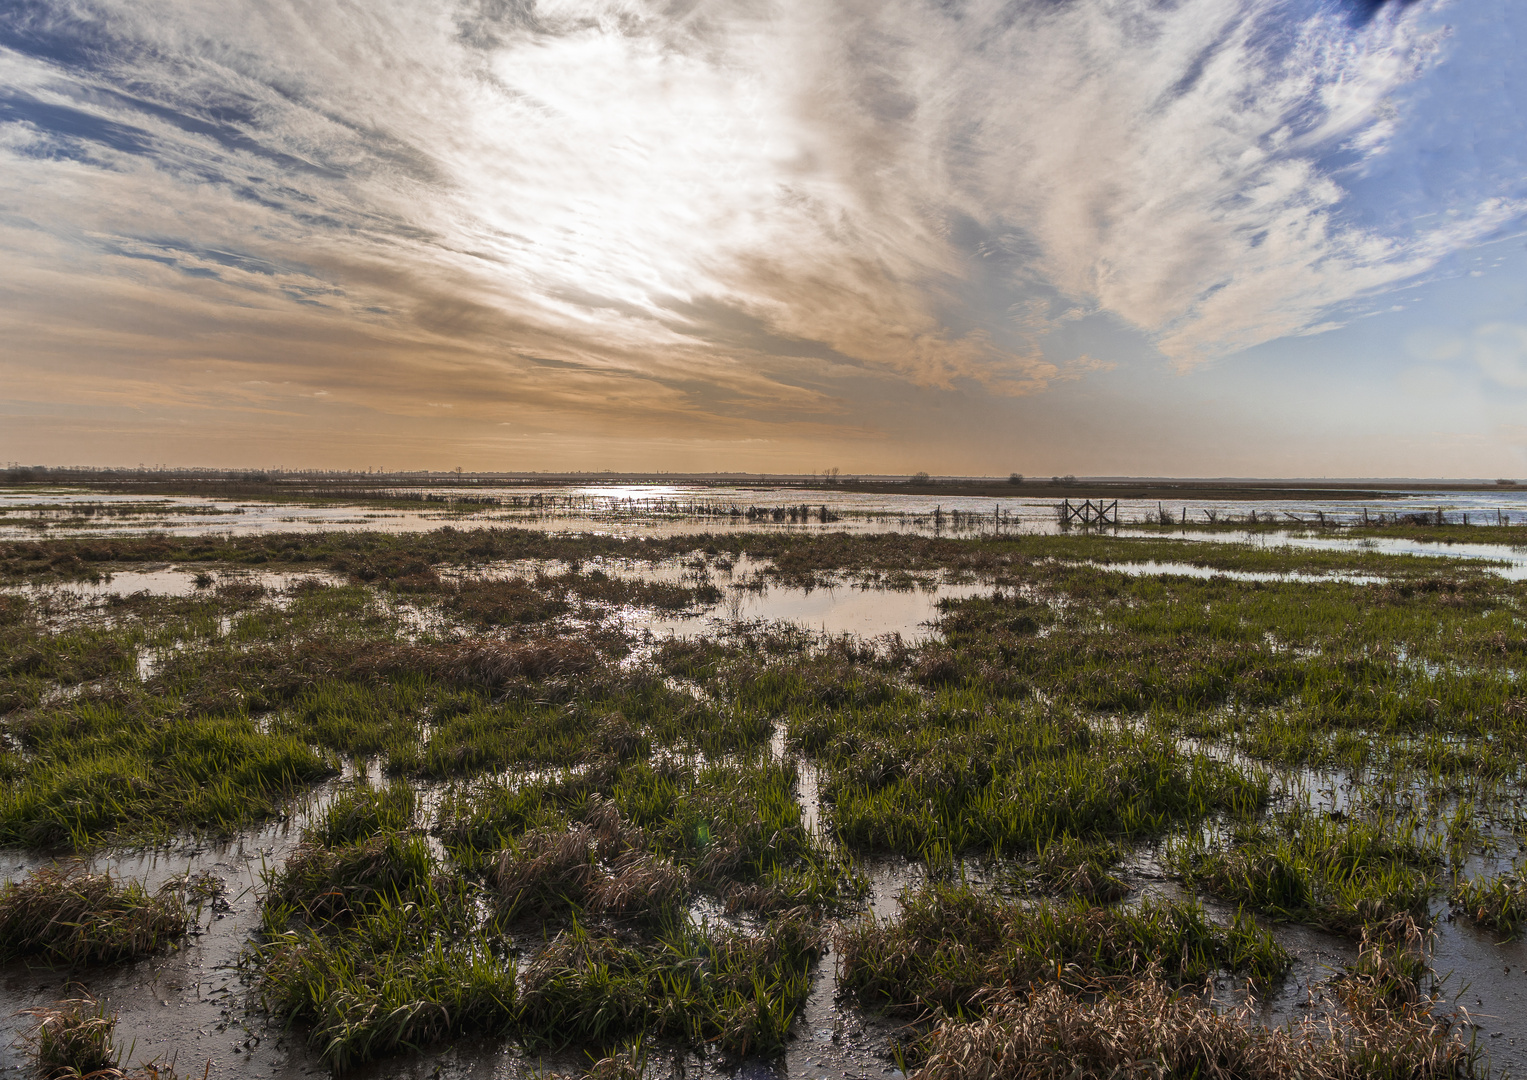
(655, 509)
(780, 802)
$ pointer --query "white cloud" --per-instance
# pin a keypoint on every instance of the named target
(582, 181)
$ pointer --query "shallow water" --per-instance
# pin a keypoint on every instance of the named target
(1511, 561)
(188, 1003)
(1181, 569)
(750, 598)
(867, 613)
(174, 581)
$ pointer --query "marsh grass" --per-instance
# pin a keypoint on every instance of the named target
(598, 587)
(592, 836)
(1069, 866)
(141, 768)
(375, 962)
(371, 944)
(365, 811)
(34, 659)
(374, 945)
(364, 995)
(508, 602)
(594, 789)
(1499, 903)
(987, 776)
(65, 915)
(337, 884)
(1339, 874)
(700, 985)
(379, 557)
(601, 869)
(526, 730)
(951, 947)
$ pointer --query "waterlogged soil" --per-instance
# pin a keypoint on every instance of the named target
(197, 1004)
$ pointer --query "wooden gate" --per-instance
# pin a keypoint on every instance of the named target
(1089, 512)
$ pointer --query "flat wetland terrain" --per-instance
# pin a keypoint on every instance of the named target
(498, 802)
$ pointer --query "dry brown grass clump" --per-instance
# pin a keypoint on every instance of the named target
(495, 663)
(512, 602)
(72, 1038)
(599, 865)
(1391, 964)
(69, 916)
(1147, 1031)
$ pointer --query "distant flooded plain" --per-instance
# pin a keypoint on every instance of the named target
(832, 799)
(696, 508)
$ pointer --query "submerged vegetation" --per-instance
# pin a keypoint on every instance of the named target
(523, 818)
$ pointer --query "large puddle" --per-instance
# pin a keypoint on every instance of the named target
(748, 597)
(175, 581)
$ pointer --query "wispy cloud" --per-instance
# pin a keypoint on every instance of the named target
(694, 211)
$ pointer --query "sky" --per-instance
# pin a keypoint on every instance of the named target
(1121, 237)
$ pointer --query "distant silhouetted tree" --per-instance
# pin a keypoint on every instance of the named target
(918, 478)
(1015, 479)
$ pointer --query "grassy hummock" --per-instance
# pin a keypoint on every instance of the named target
(65, 915)
(952, 946)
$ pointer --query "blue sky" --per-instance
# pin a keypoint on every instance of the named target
(1195, 237)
